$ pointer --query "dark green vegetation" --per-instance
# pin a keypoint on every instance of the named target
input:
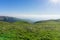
(20, 30)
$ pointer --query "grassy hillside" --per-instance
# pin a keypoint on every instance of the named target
(20, 30)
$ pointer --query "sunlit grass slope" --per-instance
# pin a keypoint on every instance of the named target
(20, 30)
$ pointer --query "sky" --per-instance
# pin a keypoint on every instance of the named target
(31, 9)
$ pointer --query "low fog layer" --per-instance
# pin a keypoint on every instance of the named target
(34, 17)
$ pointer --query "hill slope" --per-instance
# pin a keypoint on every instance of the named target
(21, 30)
(12, 19)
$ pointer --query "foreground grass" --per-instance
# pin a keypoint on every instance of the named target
(27, 31)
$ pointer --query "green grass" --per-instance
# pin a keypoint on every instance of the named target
(25, 31)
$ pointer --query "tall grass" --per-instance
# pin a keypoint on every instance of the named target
(27, 31)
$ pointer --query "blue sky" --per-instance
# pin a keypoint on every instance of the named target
(36, 8)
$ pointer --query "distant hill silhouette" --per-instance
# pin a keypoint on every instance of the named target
(8, 19)
(57, 20)
(13, 19)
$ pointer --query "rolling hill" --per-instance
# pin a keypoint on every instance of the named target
(22, 30)
(12, 19)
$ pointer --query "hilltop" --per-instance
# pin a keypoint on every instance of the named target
(23, 30)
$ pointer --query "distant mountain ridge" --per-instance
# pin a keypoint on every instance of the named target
(55, 20)
(13, 19)
(8, 19)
